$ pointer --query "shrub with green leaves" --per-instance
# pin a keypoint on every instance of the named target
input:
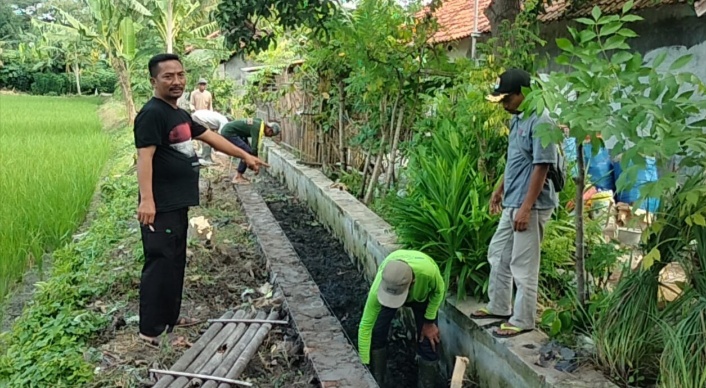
(453, 169)
(683, 361)
(101, 80)
(16, 76)
(45, 83)
(609, 92)
(628, 335)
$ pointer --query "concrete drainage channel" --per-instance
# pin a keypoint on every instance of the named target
(368, 239)
(342, 286)
(333, 357)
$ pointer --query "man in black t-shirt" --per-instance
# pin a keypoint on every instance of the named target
(168, 177)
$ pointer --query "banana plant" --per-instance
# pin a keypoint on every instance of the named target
(70, 44)
(171, 18)
(115, 27)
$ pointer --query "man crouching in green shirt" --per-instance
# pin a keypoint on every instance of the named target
(238, 132)
(405, 278)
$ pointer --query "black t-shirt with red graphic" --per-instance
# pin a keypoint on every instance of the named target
(175, 166)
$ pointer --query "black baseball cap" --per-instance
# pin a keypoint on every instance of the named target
(509, 82)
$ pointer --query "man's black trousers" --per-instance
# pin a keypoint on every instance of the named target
(163, 272)
(382, 329)
(242, 143)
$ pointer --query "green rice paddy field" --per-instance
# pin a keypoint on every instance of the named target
(52, 152)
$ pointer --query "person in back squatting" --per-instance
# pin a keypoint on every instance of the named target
(405, 278)
(168, 179)
(238, 132)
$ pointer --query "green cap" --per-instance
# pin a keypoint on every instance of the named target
(275, 128)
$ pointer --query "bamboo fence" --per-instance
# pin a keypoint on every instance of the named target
(301, 134)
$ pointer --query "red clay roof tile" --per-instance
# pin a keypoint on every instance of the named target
(455, 19)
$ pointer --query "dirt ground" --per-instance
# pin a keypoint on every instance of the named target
(342, 286)
(223, 273)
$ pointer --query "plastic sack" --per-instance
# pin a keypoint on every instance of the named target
(599, 167)
(569, 146)
(645, 175)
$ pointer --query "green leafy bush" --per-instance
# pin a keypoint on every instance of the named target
(451, 175)
(45, 83)
(556, 267)
(102, 80)
(223, 91)
(16, 76)
(88, 83)
(683, 361)
(106, 80)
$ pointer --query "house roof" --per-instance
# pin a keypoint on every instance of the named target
(455, 19)
(560, 8)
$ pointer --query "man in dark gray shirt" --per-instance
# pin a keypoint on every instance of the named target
(526, 199)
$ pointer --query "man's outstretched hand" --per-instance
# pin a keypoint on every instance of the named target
(254, 163)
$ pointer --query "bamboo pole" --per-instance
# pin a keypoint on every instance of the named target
(393, 150)
(243, 320)
(250, 350)
(341, 127)
(193, 352)
(378, 160)
(204, 377)
(208, 352)
(219, 355)
(235, 352)
(361, 192)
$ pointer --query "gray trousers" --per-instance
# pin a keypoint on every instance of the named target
(206, 152)
(515, 256)
(206, 149)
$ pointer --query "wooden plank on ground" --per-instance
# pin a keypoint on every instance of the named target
(459, 372)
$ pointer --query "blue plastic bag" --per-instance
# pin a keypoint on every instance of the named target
(599, 167)
(645, 175)
(569, 146)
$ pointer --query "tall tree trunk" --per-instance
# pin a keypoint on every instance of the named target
(322, 142)
(123, 73)
(366, 163)
(381, 153)
(341, 107)
(377, 170)
(393, 149)
(365, 175)
(78, 78)
(580, 265)
(170, 26)
(500, 10)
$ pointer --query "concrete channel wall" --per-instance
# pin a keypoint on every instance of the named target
(368, 239)
(334, 359)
